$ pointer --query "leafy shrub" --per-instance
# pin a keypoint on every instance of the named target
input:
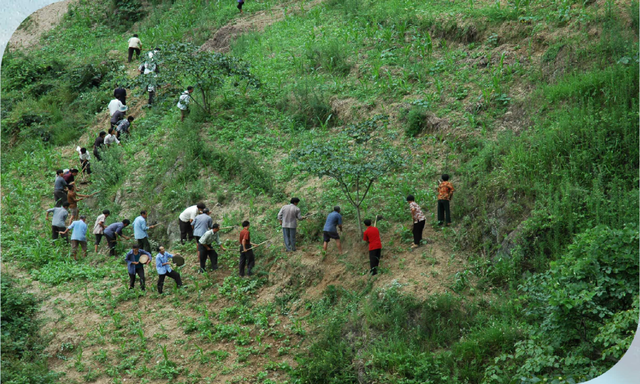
(22, 361)
(416, 121)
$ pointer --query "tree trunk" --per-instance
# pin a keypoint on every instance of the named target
(359, 221)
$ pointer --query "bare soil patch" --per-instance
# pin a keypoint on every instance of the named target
(41, 21)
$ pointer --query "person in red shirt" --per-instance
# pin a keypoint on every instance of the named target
(247, 258)
(372, 236)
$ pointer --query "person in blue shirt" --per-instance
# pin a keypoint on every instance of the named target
(140, 229)
(134, 266)
(78, 236)
(330, 230)
(164, 269)
(112, 232)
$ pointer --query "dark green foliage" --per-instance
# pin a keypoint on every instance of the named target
(416, 121)
(125, 13)
(22, 361)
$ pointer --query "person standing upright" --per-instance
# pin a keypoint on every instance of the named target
(120, 94)
(240, 4)
(247, 258)
(288, 218)
(134, 266)
(183, 102)
(78, 236)
(418, 221)
(59, 222)
(59, 189)
(163, 266)
(186, 218)
(99, 226)
(205, 250)
(140, 229)
(445, 193)
(134, 46)
(372, 236)
(330, 230)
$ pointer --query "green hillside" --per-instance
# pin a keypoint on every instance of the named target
(530, 106)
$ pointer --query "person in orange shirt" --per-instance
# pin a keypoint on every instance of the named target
(445, 193)
(247, 258)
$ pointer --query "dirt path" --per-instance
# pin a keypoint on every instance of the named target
(41, 21)
(254, 22)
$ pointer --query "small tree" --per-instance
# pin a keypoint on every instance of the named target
(352, 159)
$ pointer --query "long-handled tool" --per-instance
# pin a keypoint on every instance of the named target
(378, 217)
(256, 246)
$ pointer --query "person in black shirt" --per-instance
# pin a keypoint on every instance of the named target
(120, 94)
(98, 144)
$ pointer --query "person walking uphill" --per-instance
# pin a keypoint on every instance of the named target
(330, 230)
(418, 221)
(200, 225)
(59, 222)
(372, 236)
(288, 218)
(247, 258)
(163, 266)
(98, 144)
(445, 193)
(186, 218)
(120, 94)
(183, 102)
(134, 266)
(140, 229)
(112, 232)
(59, 189)
(134, 46)
(78, 236)
(205, 250)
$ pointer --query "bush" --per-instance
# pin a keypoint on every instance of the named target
(22, 358)
(308, 105)
(415, 121)
(330, 57)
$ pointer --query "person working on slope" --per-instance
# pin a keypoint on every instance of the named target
(247, 258)
(78, 236)
(288, 218)
(134, 46)
(140, 229)
(183, 102)
(205, 249)
(372, 236)
(330, 230)
(99, 226)
(59, 222)
(112, 232)
(59, 189)
(445, 193)
(134, 266)
(186, 218)
(163, 267)
(418, 221)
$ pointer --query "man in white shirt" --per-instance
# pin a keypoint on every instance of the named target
(134, 45)
(186, 218)
(111, 138)
(114, 106)
(183, 102)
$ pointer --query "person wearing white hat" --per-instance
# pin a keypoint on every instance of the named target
(118, 115)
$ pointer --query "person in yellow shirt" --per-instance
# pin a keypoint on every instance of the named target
(134, 46)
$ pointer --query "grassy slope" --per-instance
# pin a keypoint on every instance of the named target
(480, 74)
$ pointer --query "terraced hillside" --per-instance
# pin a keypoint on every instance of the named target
(530, 106)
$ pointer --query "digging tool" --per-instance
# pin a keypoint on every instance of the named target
(256, 246)
(378, 217)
